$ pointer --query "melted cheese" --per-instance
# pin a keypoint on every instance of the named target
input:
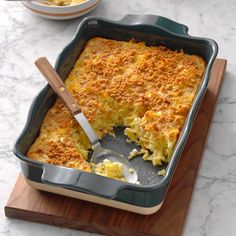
(149, 90)
(110, 169)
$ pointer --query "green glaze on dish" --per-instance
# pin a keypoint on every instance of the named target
(154, 30)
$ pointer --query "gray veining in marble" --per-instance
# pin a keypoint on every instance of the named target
(24, 37)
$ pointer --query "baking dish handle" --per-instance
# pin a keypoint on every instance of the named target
(80, 181)
(154, 20)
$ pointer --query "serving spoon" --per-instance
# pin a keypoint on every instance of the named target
(99, 153)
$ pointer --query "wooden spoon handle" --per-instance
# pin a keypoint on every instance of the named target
(57, 84)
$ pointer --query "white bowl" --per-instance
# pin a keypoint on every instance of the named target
(61, 12)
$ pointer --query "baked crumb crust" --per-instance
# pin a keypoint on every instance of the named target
(149, 90)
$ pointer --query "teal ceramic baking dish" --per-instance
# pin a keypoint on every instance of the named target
(147, 197)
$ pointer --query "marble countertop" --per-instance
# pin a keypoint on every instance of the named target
(24, 37)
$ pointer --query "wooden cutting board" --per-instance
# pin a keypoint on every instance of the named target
(29, 204)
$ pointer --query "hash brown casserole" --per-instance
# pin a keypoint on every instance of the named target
(147, 89)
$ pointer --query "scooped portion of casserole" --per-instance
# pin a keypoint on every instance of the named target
(147, 89)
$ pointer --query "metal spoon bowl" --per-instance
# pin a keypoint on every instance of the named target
(99, 153)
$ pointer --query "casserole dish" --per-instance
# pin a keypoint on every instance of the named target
(147, 197)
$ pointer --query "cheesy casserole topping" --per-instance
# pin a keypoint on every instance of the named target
(147, 89)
